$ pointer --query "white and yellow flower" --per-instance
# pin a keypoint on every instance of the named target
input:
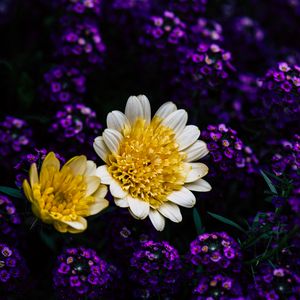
(64, 197)
(150, 164)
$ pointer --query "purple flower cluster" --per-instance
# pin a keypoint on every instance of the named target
(206, 30)
(64, 84)
(13, 270)
(26, 160)
(164, 33)
(206, 66)
(269, 223)
(15, 136)
(237, 100)
(9, 218)
(81, 273)
(125, 234)
(280, 92)
(287, 160)
(155, 268)
(188, 9)
(275, 283)
(215, 252)
(77, 123)
(248, 30)
(140, 5)
(218, 287)
(228, 152)
(82, 7)
(81, 42)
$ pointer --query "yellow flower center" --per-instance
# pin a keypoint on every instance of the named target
(148, 164)
(61, 195)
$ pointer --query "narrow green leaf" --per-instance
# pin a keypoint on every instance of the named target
(269, 182)
(227, 221)
(11, 192)
(197, 221)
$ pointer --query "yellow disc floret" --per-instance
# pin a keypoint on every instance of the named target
(148, 164)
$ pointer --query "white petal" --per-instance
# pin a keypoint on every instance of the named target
(146, 107)
(197, 171)
(112, 139)
(184, 198)
(122, 202)
(101, 148)
(196, 151)
(138, 207)
(134, 109)
(188, 136)
(176, 121)
(104, 175)
(79, 225)
(90, 168)
(98, 206)
(157, 220)
(171, 211)
(165, 110)
(117, 120)
(93, 183)
(116, 190)
(200, 185)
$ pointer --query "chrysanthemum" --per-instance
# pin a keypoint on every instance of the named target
(65, 196)
(150, 164)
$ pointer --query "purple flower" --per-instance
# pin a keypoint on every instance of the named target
(81, 271)
(165, 33)
(228, 152)
(155, 266)
(188, 10)
(217, 287)
(13, 271)
(9, 219)
(15, 136)
(279, 91)
(80, 42)
(215, 251)
(81, 7)
(210, 69)
(275, 283)
(63, 84)
(205, 30)
(75, 123)
(126, 234)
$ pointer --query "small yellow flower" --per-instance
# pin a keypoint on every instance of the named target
(150, 163)
(64, 197)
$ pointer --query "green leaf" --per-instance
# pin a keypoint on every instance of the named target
(48, 239)
(197, 221)
(11, 192)
(227, 221)
(269, 182)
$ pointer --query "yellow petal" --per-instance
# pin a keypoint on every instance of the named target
(98, 206)
(93, 183)
(101, 192)
(27, 190)
(33, 175)
(77, 164)
(51, 161)
(61, 227)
